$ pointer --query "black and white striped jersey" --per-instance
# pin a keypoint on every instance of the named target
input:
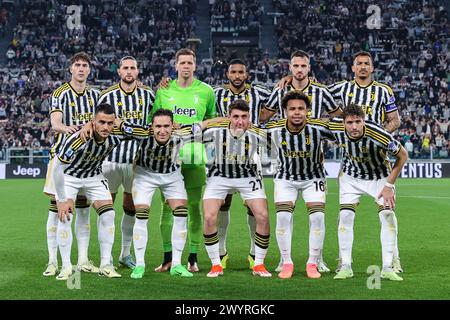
(163, 158)
(132, 107)
(376, 99)
(233, 157)
(255, 95)
(319, 97)
(367, 157)
(76, 108)
(299, 154)
(85, 158)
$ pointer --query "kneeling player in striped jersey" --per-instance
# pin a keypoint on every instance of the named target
(78, 168)
(236, 143)
(157, 167)
(297, 145)
(366, 170)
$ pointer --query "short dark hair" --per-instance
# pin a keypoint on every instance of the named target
(127, 58)
(80, 56)
(184, 52)
(362, 53)
(163, 112)
(239, 105)
(353, 110)
(106, 108)
(295, 95)
(236, 61)
(300, 53)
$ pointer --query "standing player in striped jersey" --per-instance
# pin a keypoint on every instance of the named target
(256, 96)
(234, 168)
(375, 98)
(319, 96)
(77, 167)
(366, 169)
(72, 105)
(157, 166)
(133, 103)
(297, 145)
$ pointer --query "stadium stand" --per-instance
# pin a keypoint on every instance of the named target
(410, 54)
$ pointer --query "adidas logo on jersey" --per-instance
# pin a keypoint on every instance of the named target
(189, 112)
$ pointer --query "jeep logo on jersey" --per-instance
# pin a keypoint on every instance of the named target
(188, 112)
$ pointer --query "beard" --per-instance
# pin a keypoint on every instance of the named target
(301, 78)
(124, 79)
(242, 83)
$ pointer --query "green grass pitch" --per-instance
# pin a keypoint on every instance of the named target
(423, 212)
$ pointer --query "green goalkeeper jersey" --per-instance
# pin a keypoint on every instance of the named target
(189, 105)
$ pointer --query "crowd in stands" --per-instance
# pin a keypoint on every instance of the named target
(410, 49)
(411, 54)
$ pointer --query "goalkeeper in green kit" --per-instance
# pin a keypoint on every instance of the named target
(191, 101)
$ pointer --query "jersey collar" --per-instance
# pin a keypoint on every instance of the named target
(127, 93)
(295, 132)
(78, 94)
(361, 87)
(246, 87)
(304, 89)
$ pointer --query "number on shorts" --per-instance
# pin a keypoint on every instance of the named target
(105, 183)
(254, 186)
(320, 185)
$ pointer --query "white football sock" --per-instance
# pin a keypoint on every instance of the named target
(316, 235)
(396, 254)
(106, 230)
(284, 235)
(52, 244)
(179, 233)
(82, 233)
(64, 238)
(213, 253)
(223, 220)
(140, 238)
(345, 235)
(387, 236)
(126, 227)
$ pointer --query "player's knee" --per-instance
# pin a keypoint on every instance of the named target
(53, 206)
(316, 208)
(316, 219)
(387, 213)
(81, 203)
(180, 211)
(385, 210)
(284, 207)
(129, 211)
(105, 208)
(227, 203)
(210, 219)
(142, 213)
(347, 213)
(128, 201)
